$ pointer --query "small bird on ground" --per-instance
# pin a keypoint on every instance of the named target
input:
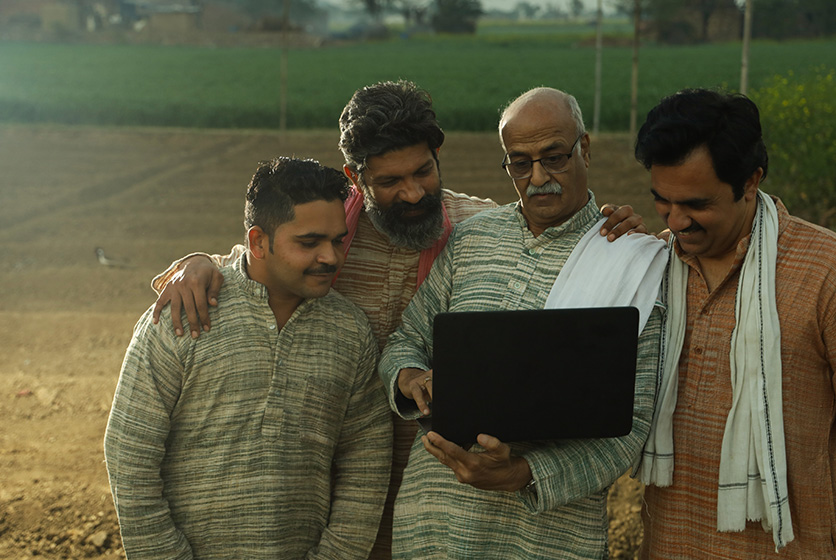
(107, 261)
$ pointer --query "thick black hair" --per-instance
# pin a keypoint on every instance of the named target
(281, 184)
(384, 117)
(727, 124)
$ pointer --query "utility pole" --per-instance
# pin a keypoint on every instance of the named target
(283, 67)
(596, 118)
(744, 57)
(634, 82)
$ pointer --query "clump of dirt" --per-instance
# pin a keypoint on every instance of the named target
(58, 521)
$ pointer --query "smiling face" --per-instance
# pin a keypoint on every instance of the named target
(306, 252)
(537, 128)
(700, 209)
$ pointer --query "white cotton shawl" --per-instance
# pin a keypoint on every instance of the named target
(753, 466)
(600, 273)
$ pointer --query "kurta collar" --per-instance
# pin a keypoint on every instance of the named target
(579, 222)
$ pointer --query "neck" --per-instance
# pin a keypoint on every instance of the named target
(714, 269)
(281, 303)
(283, 308)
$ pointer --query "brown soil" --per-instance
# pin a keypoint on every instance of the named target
(149, 196)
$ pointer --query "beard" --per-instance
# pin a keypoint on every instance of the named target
(413, 232)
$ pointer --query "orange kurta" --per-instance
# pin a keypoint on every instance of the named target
(680, 521)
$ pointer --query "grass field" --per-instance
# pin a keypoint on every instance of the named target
(469, 78)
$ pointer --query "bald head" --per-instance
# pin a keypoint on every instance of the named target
(539, 127)
(538, 101)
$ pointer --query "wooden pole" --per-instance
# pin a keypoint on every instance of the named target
(283, 67)
(634, 82)
(744, 57)
(596, 118)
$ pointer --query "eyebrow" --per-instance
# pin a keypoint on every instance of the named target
(686, 202)
(314, 235)
(551, 147)
(384, 178)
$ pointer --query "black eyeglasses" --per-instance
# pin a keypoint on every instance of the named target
(553, 163)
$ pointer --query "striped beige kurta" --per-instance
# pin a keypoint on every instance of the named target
(251, 441)
(681, 520)
(380, 279)
(493, 262)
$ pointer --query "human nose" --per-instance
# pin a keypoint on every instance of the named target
(539, 175)
(412, 191)
(330, 254)
(678, 218)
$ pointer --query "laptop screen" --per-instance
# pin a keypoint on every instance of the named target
(534, 375)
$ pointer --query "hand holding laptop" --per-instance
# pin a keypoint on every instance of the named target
(416, 384)
(493, 469)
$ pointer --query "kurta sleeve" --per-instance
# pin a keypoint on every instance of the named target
(411, 345)
(134, 445)
(362, 464)
(568, 470)
(829, 334)
(158, 283)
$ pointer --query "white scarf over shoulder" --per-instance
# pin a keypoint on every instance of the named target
(600, 273)
(753, 466)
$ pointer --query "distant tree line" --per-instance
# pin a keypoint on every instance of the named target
(694, 21)
(446, 16)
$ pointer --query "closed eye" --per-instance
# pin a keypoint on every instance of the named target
(554, 161)
(424, 171)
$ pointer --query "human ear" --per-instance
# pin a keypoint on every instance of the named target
(258, 242)
(750, 189)
(353, 176)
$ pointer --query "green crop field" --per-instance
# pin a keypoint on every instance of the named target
(469, 78)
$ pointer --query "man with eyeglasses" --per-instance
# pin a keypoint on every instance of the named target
(532, 499)
(399, 218)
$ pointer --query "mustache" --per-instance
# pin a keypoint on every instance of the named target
(691, 229)
(401, 208)
(552, 187)
(324, 269)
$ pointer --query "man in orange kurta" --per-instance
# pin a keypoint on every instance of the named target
(706, 159)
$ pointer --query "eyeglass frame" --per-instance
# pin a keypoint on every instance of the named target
(504, 163)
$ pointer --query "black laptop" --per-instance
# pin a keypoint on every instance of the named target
(534, 375)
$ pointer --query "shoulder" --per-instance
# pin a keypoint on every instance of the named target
(461, 206)
(802, 240)
(489, 220)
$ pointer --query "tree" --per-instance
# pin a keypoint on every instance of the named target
(784, 19)
(414, 12)
(526, 10)
(456, 16)
(689, 21)
(705, 9)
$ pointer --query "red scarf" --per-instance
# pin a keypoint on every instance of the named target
(354, 207)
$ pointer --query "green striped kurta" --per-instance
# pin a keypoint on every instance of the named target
(251, 441)
(493, 262)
